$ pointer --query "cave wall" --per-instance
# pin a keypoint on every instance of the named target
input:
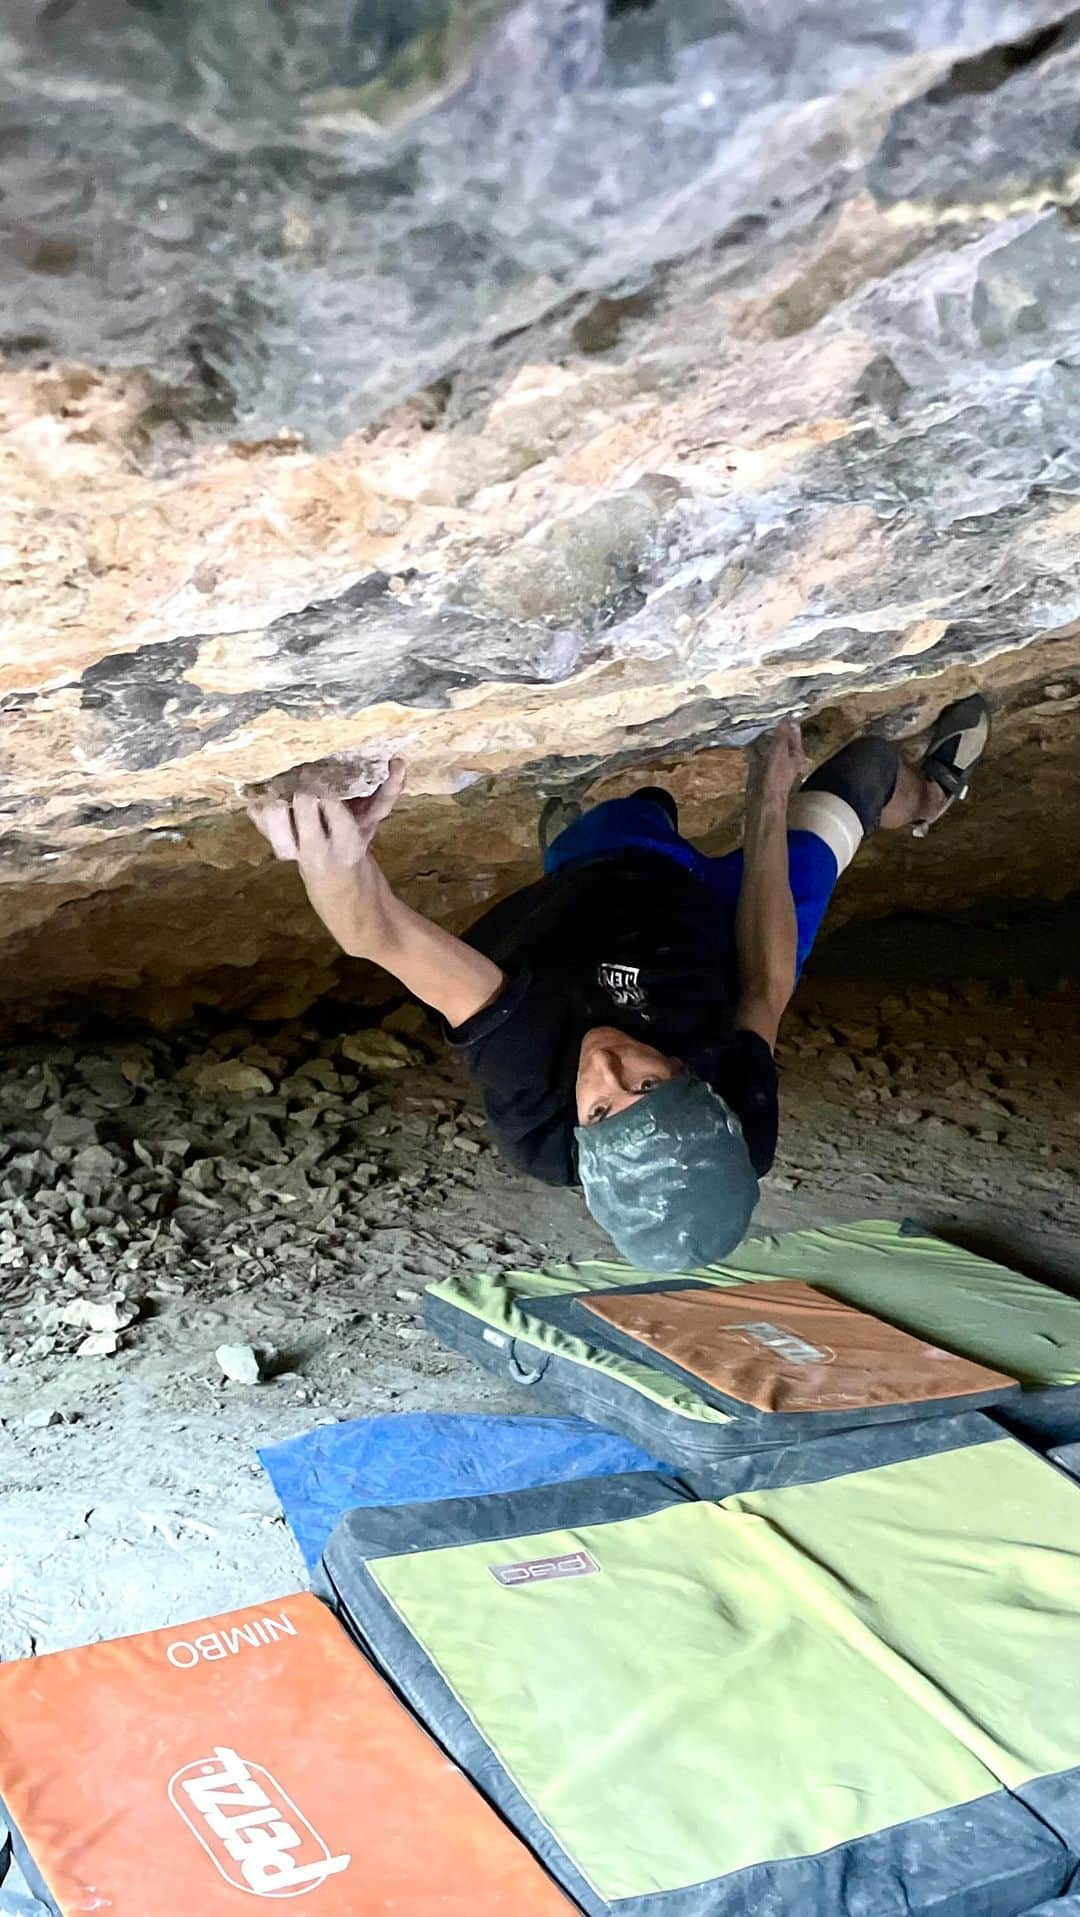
(556, 397)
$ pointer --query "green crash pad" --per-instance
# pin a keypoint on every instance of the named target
(969, 1305)
(857, 1693)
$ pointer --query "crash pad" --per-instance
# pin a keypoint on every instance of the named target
(251, 1755)
(854, 1691)
(515, 1324)
(786, 1352)
(425, 1455)
(1067, 1458)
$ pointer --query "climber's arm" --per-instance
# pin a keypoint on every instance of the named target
(330, 839)
(369, 921)
(766, 934)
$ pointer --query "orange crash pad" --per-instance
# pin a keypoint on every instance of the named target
(255, 1755)
(782, 1347)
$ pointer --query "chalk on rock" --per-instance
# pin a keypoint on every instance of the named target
(341, 775)
(240, 1363)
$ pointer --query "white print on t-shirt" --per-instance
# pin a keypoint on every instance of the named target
(249, 1827)
(622, 983)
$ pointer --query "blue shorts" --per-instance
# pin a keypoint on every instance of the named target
(639, 824)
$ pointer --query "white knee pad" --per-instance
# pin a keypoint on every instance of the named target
(830, 818)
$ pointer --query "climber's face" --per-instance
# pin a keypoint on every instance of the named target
(614, 1071)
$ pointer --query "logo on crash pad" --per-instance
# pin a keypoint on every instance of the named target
(249, 1827)
(569, 1564)
(786, 1345)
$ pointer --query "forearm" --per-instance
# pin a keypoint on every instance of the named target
(369, 921)
(766, 933)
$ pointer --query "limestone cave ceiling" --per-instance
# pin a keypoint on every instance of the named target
(545, 391)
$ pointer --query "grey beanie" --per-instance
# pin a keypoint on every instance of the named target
(670, 1178)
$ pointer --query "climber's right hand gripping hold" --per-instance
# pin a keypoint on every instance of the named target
(330, 839)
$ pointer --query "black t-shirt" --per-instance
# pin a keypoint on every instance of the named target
(634, 941)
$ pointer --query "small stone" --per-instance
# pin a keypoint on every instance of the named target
(229, 1077)
(174, 1147)
(406, 1294)
(201, 1175)
(68, 1130)
(100, 1314)
(409, 1021)
(93, 1167)
(137, 1065)
(841, 1065)
(99, 1344)
(263, 1059)
(320, 1072)
(42, 1416)
(471, 1146)
(861, 1036)
(195, 1222)
(108, 1083)
(377, 1051)
(240, 1363)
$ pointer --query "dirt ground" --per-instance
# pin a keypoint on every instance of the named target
(294, 1188)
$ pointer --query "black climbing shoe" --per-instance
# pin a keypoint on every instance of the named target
(557, 814)
(956, 745)
(659, 795)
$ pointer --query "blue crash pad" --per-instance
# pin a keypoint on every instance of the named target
(419, 1456)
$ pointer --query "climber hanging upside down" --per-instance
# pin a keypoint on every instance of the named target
(620, 1015)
